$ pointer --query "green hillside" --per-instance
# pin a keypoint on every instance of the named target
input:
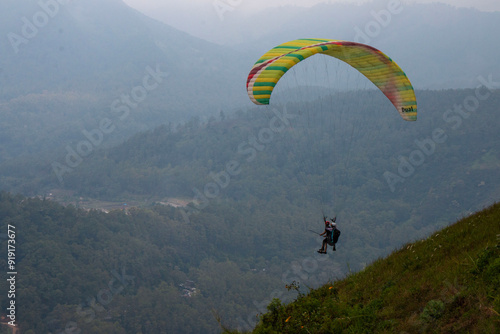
(448, 283)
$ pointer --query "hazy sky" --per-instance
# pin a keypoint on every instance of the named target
(219, 20)
(252, 5)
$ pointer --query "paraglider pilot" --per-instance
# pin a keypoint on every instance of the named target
(331, 234)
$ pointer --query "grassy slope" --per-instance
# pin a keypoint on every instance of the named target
(448, 283)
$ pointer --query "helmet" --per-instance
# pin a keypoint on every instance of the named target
(334, 224)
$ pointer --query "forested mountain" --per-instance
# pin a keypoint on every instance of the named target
(66, 66)
(140, 271)
(331, 153)
(103, 48)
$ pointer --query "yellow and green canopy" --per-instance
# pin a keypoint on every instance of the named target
(372, 63)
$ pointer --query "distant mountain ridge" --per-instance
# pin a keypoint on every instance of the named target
(103, 48)
(67, 65)
(100, 46)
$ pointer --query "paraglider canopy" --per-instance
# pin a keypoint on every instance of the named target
(381, 70)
